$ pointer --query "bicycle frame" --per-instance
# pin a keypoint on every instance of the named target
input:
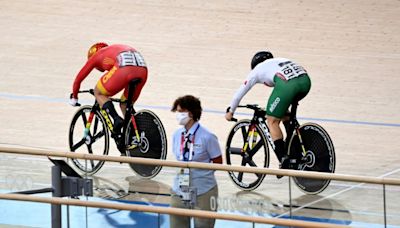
(129, 114)
(130, 111)
(260, 120)
(250, 137)
(294, 126)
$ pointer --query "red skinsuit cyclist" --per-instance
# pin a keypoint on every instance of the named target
(122, 63)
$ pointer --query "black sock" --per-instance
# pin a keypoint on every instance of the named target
(279, 149)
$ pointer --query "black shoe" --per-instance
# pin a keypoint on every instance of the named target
(285, 164)
(118, 123)
(119, 141)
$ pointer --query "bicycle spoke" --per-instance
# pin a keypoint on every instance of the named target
(252, 164)
(79, 144)
(96, 122)
(99, 135)
(254, 150)
(234, 150)
(244, 134)
(91, 152)
(84, 118)
(240, 176)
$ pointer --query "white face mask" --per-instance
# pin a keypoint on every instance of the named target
(182, 118)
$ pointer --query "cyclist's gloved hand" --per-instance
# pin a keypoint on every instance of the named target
(73, 101)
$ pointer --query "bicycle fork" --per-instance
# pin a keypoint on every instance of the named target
(90, 120)
(253, 134)
(88, 124)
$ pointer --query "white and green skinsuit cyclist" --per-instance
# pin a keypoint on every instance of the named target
(290, 82)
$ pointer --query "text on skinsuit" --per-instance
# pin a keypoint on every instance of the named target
(130, 58)
(291, 70)
(109, 74)
(274, 104)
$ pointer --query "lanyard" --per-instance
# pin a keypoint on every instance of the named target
(184, 140)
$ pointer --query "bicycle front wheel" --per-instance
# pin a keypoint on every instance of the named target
(319, 157)
(256, 154)
(153, 142)
(95, 142)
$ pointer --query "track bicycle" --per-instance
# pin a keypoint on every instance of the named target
(308, 147)
(143, 135)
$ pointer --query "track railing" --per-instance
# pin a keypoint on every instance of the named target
(166, 210)
(199, 165)
(189, 212)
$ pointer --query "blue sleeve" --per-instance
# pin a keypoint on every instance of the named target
(176, 145)
(213, 147)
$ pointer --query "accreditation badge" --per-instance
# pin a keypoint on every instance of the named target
(184, 177)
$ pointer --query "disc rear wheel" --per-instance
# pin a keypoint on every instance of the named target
(153, 142)
(319, 157)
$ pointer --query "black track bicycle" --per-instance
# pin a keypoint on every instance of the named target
(143, 135)
(308, 147)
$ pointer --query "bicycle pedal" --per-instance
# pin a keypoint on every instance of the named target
(131, 147)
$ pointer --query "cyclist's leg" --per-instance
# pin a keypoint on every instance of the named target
(303, 86)
(277, 106)
(288, 91)
(285, 120)
(108, 85)
(100, 91)
(277, 136)
(135, 72)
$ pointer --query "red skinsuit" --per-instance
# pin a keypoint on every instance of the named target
(116, 78)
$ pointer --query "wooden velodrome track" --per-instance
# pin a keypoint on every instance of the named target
(350, 48)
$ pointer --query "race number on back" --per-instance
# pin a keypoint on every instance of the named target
(291, 70)
(131, 58)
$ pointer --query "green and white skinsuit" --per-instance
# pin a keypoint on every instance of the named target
(290, 82)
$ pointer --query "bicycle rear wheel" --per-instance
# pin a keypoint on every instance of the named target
(320, 156)
(153, 142)
(96, 142)
(257, 154)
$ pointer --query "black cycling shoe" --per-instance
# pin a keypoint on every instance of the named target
(120, 146)
(118, 123)
(285, 164)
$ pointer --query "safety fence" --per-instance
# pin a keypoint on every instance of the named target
(190, 212)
